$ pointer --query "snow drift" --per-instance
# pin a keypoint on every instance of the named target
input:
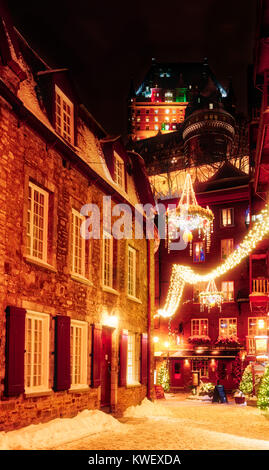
(59, 431)
(147, 409)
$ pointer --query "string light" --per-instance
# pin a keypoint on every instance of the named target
(184, 274)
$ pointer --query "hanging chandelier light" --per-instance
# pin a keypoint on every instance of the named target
(189, 216)
(211, 297)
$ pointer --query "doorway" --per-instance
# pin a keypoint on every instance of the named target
(177, 373)
(106, 367)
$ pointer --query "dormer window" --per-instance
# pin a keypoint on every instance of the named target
(119, 171)
(64, 115)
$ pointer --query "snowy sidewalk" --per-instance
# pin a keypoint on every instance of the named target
(172, 424)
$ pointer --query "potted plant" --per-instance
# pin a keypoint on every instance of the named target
(228, 342)
(239, 397)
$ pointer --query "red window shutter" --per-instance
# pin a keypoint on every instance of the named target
(15, 346)
(123, 349)
(62, 378)
(96, 355)
(144, 358)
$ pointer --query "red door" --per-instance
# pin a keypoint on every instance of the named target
(106, 367)
(177, 373)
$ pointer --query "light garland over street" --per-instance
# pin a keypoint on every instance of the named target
(184, 274)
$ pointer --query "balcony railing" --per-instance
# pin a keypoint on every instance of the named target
(260, 286)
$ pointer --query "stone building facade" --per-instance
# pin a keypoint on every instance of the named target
(76, 314)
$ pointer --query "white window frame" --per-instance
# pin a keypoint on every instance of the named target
(131, 272)
(133, 358)
(227, 297)
(258, 332)
(230, 321)
(45, 322)
(200, 320)
(204, 368)
(30, 223)
(227, 247)
(61, 116)
(107, 264)
(119, 173)
(75, 271)
(226, 217)
(83, 327)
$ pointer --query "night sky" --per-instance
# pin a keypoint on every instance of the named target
(106, 43)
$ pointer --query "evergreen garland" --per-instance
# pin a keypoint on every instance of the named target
(163, 377)
(263, 393)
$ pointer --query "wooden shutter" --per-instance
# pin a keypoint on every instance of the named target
(144, 358)
(123, 350)
(96, 355)
(62, 378)
(15, 346)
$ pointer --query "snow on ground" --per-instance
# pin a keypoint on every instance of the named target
(147, 409)
(59, 431)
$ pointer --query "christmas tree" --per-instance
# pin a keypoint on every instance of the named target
(163, 376)
(246, 384)
(263, 394)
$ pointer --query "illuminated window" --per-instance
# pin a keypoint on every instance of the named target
(258, 326)
(138, 119)
(156, 119)
(227, 246)
(36, 352)
(167, 111)
(227, 216)
(167, 118)
(147, 119)
(77, 245)
(228, 326)
(156, 128)
(174, 111)
(200, 366)
(156, 111)
(64, 121)
(78, 353)
(199, 327)
(37, 222)
(131, 287)
(119, 171)
(198, 252)
(167, 127)
(107, 260)
(133, 358)
(227, 287)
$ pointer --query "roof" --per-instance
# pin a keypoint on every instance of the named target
(226, 176)
(176, 75)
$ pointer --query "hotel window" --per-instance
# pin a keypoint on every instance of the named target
(200, 366)
(198, 252)
(199, 327)
(211, 105)
(167, 111)
(258, 326)
(147, 119)
(166, 118)
(131, 272)
(156, 111)
(228, 326)
(174, 111)
(156, 128)
(133, 358)
(37, 222)
(64, 121)
(227, 217)
(138, 119)
(107, 260)
(227, 287)
(156, 119)
(227, 246)
(77, 245)
(78, 353)
(119, 171)
(36, 352)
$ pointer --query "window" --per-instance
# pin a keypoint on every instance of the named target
(211, 105)
(156, 128)
(258, 326)
(200, 366)
(228, 326)
(36, 352)
(147, 119)
(199, 327)
(198, 252)
(37, 222)
(119, 171)
(64, 116)
(78, 353)
(156, 111)
(133, 358)
(156, 119)
(167, 111)
(107, 260)
(227, 217)
(197, 289)
(227, 287)
(227, 246)
(77, 245)
(131, 271)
